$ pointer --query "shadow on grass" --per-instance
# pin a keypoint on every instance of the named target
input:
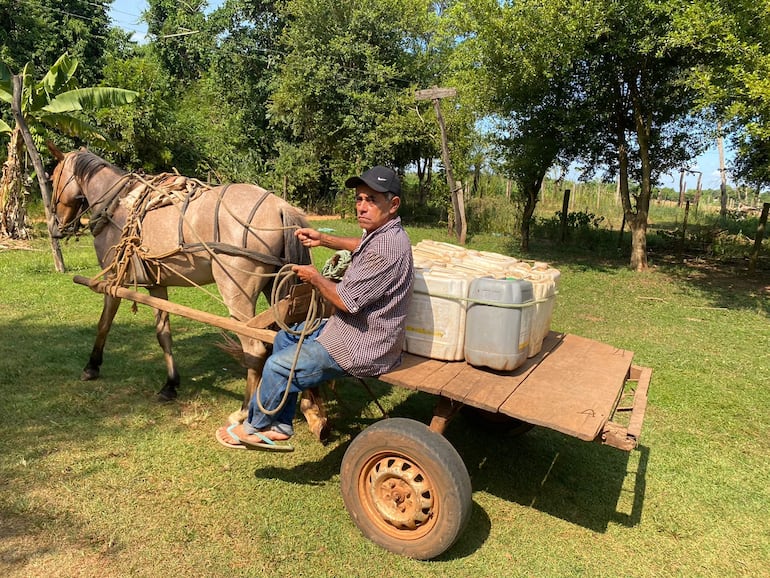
(83, 429)
(47, 408)
(586, 484)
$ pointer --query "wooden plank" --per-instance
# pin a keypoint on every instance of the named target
(488, 389)
(423, 374)
(574, 389)
(642, 375)
(227, 323)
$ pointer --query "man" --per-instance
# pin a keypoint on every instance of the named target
(365, 335)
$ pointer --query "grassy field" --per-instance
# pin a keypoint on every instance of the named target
(99, 479)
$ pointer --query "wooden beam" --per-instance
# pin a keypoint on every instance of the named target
(265, 335)
(435, 92)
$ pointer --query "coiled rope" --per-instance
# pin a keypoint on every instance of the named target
(313, 320)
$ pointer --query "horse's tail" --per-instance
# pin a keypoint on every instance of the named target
(293, 250)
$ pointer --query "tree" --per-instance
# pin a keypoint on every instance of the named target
(51, 103)
(348, 69)
(524, 71)
(147, 129)
(36, 33)
(181, 37)
(637, 82)
(604, 81)
(751, 165)
(734, 87)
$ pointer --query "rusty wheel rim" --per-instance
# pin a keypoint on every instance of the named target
(398, 496)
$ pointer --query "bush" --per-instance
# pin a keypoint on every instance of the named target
(493, 214)
(582, 226)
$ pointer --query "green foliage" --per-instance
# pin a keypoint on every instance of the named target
(582, 227)
(146, 130)
(345, 86)
(183, 40)
(36, 33)
(54, 103)
(493, 215)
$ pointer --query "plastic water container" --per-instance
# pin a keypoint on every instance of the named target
(435, 322)
(497, 334)
(544, 288)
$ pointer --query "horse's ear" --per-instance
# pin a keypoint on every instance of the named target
(57, 154)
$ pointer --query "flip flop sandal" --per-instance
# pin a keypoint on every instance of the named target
(266, 444)
(227, 444)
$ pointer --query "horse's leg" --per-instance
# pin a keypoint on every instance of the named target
(109, 309)
(163, 333)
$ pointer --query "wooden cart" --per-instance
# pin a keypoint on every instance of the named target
(404, 485)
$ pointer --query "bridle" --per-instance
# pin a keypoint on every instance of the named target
(73, 226)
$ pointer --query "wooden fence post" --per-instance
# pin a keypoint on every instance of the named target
(760, 235)
(564, 213)
(458, 203)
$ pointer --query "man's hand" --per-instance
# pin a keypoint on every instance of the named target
(307, 273)
(327, 287)
(308, 237)
(312, 238)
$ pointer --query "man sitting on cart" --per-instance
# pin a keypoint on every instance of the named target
(365, 335)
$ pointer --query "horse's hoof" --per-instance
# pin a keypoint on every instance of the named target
(237, 416)
(166, 394)
(89, 374)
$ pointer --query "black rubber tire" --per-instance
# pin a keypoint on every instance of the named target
(496, 422)
(406, 488)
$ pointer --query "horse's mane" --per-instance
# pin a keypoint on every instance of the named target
(294, 251)
(86, 164)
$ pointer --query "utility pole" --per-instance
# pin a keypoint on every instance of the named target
(455, 188)
(722, 171)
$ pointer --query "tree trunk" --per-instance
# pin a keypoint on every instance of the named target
(758, 239)
(14, 191)
(530, 189)
(698, 190)
(638, 229)
(39, 169)
(638, 225)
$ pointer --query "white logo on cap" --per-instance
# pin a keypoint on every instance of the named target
(381, 179)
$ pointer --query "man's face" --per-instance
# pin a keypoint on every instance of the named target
(374, 209)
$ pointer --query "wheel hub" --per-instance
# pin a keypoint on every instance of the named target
(401, 493)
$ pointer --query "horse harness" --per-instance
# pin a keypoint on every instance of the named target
(132, 264)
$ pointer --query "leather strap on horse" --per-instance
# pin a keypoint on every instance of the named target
(216, 247)
(132, 265)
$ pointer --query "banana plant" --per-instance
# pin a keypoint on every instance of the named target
(54, 102)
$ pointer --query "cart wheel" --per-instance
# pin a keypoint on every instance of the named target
(406, 488)
(496, 422)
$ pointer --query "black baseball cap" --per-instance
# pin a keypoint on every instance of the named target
(380, 179)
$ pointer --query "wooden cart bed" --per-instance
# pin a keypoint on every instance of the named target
(574, 386)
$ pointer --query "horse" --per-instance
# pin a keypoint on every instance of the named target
(175, 231)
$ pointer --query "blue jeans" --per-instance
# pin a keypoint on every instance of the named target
(313, 367)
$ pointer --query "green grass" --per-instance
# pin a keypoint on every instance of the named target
(98, 479)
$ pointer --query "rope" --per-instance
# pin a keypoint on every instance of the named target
(312, 323)
(524, 305)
